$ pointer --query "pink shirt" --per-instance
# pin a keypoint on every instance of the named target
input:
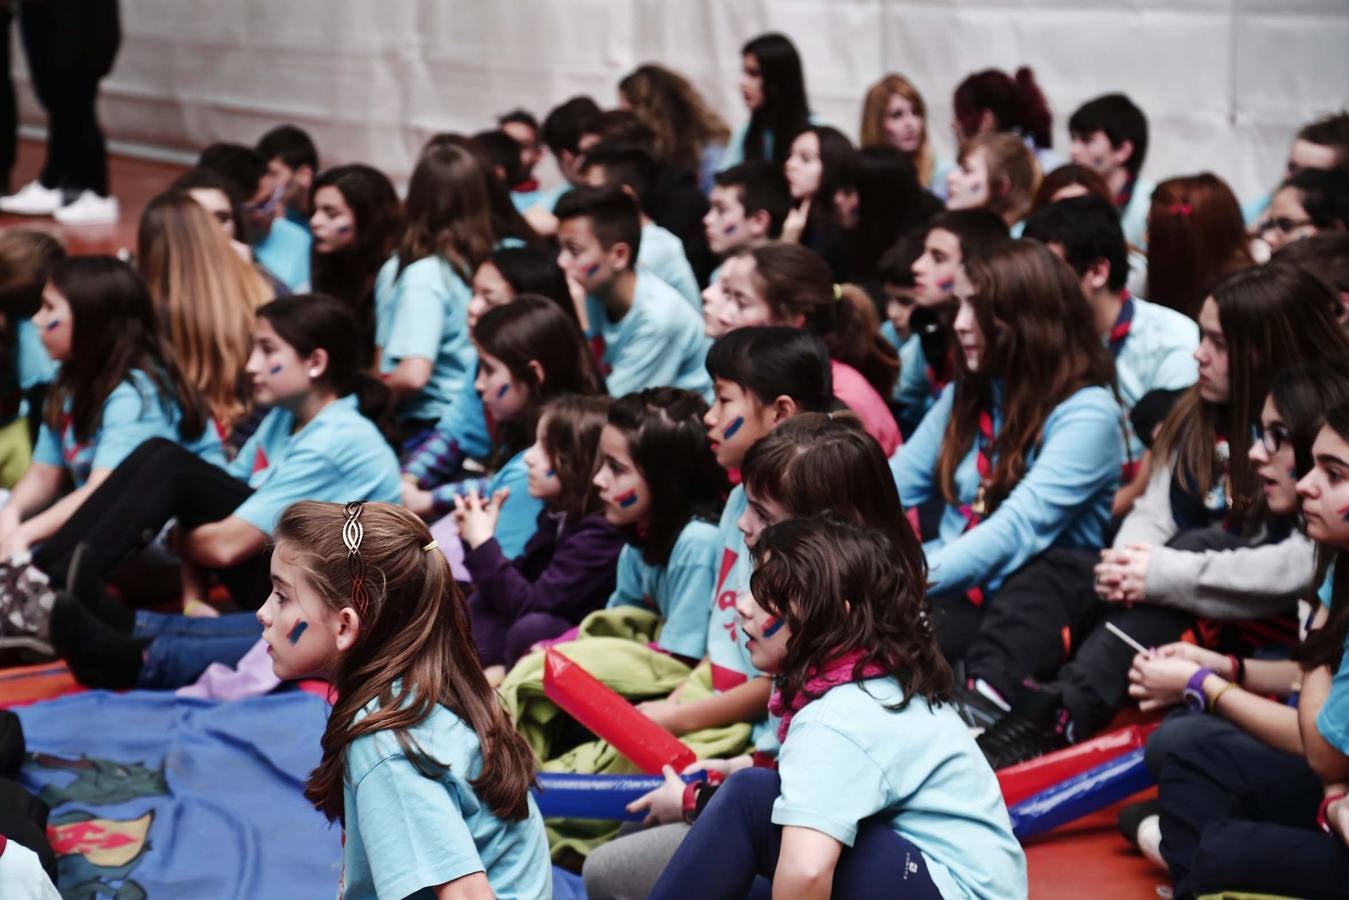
(859, 396)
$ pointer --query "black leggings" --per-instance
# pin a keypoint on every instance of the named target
(159, 481)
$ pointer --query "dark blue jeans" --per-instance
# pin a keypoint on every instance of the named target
(735, 840)
(181, 647)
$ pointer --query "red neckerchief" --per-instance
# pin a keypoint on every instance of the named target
(1123, 197)
(1119, 333)
(975, 512)
(529, 185)
(837, 671)
(937, 380)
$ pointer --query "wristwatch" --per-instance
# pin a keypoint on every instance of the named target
(1195, 698)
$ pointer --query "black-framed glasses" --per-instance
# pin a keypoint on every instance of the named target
(1283, 224)
(1272, 438)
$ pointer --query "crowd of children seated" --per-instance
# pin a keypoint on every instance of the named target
(846, 464)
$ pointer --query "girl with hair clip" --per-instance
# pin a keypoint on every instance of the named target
(887, 204)
(927, 365)
(118, 385)
(808, 464)
(513, 271)
(991, 102)
(1195, 237)
(420, 762)
(1025, 446)
(816, 171)
(1241, 815)
(566, 570)
(206, 299)
(528, 352)
(894, 114)
(690, 136)
(997, 172)
(356, 224)
(774, 90)
(1254, 718)
(317, 441)
(422, 293)
(26, 259)
(787, 284)
(1201, 552)
(879, 789)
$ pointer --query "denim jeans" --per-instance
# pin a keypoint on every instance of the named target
(181, 647)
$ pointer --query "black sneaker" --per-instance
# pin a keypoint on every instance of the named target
(979, 712)
(1038, 724)
(1133, 815)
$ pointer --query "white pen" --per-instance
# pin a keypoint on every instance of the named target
(1124, 637)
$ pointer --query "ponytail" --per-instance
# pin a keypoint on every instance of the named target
(855, 339)
(1037, 122)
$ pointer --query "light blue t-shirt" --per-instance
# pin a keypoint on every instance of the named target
(1134, 217)
(519, 516)
(407, 833)
(680, 590)
(132, 414)
(1158, 354)
(847, 757)
(338, 456)
(913, 388)
(29, 367)
(659, 341)
(1063, 500)
(285, 253)
(662, 253)
(543, 197)
(734, 154)
(424, 315)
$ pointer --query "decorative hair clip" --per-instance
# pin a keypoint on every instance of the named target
(838, 291)
(1180, 209)
(352, 533)
(431, 546)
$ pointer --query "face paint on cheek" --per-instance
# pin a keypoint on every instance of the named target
(728, 230)
(946, 285)
(342, 229)
(53, 324)
(275, 370)
(592, 270)
(550, 474)
(296, 632)
(733, 428)
(773, 627)
(503, 391)
(626, 500)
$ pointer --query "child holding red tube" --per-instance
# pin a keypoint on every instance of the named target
(868, 733)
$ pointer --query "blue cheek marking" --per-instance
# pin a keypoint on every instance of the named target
(54, 324)
(773, 627)
(343, 229)
(627, 499)
(275, 370)
(297, 631)
(551, 474)
(729, 229)
(946, 285)
(734, 427)
(593, 270)
(505, 389)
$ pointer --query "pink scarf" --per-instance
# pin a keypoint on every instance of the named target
(837, 671)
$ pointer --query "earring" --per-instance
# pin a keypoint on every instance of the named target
(313, 373)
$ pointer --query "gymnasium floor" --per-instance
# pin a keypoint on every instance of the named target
(1087, 859)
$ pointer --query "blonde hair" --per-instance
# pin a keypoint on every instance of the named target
(1013, 173)
(414, 650)
(205, 298)
(874, 109)
(671, 107)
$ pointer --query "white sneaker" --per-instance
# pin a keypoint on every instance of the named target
(88, 209)
(32, 200)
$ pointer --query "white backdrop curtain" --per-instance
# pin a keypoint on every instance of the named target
(1224, 82)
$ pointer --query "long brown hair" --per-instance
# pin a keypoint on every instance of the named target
(571, 438)
(874, 109)
(683, 122)
(1040, 340)
(1273, 316)
(796, 281)
(842, 588)
(1196, 235)
(414, 651)
(205, 298)
(448, 211)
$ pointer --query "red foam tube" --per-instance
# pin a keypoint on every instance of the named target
(596, 706)
(1028, 778)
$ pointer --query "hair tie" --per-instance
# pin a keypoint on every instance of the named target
(352, 535)
(431, 546)
(1180, 209)
(838, 291)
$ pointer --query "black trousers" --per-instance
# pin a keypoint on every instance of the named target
(1238, 815)
(159, 481)
(9, 112)
(71, 46)
(1033, 623)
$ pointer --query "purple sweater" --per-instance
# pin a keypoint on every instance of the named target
(567, 571)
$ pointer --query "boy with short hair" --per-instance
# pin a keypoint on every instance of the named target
(523, 128)
(632, 169)
(749, 203)
(279, 245)
(651, 337)
(1321, 144)
(293, 160)
(1110, 136)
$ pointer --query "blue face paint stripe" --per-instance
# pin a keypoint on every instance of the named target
(54, 324)
(297, 631)
(627, 499)
(734, 427)
(773, 627)
(503, 391)
(593, 270)
(275, 370)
